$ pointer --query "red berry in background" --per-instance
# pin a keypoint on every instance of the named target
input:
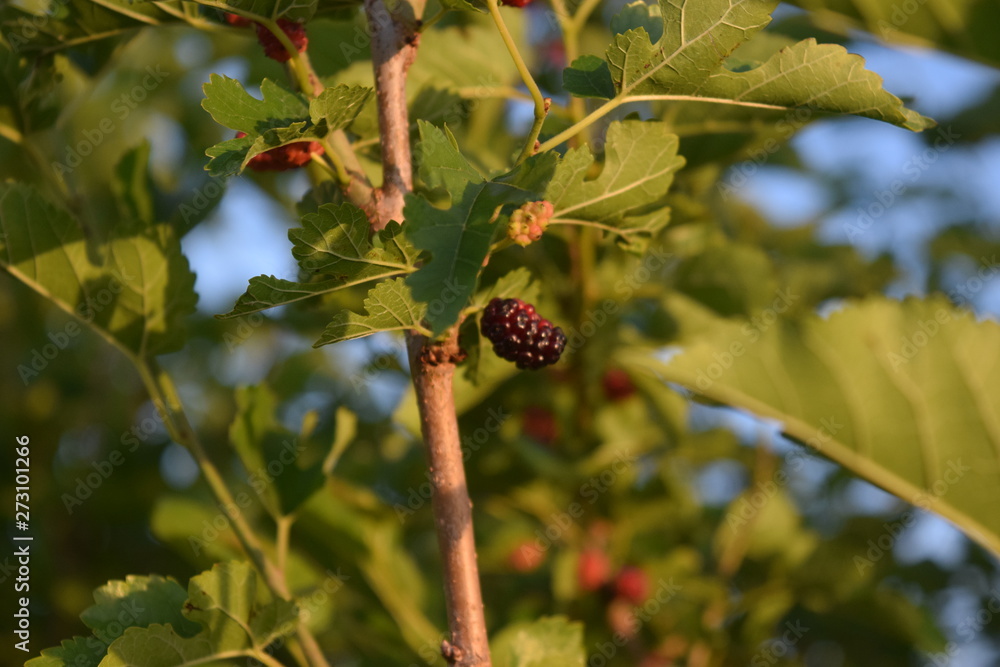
(517, 3)
(283, 158)
(521, 335)
(526, 557)
(632, 584)
(621, 619)
(540, 425)
(236, 20)
(273, 48)
(617, 384)
(593, 569)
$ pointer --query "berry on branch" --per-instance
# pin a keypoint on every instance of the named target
(521, 335)
(236, 20)
(283, 158)
(517, 3)
(529, 222)
(273, 47)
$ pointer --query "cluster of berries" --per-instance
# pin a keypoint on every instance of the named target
(273, 47)
(529, 222)
(521, 335)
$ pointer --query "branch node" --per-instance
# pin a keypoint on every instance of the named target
(450, 652)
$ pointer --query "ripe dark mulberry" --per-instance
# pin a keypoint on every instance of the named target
(283, 158)
(521, 335)
(273, 48)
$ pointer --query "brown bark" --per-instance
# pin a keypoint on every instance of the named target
(433, 369)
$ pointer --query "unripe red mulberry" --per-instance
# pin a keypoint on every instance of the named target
(273, 48)
(283, 158)
(236, 20)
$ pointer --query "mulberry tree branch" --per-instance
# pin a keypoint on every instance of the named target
(394, 47)
(432, 364)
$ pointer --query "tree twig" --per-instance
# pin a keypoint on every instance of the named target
(394, 46)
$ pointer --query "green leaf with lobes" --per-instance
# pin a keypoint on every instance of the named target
(689, 62)
(142, 600)
(226, 612)
(441, 163)
(458, 237)
(335, 242)
(238, 614)
(904, 394)
(639, 166)
(390, 306)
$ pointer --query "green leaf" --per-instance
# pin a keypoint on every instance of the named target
(333, 241)
(140, 600)
(640, 162)
(338, 106)
(697, 38)
(160, 646)
(589, 76)
(272, 455)
(689, 62)
(390, 306)
(441, 163)
(458, 239)
(637, 15)
(904, 394)
(546, 642)
(137, 296)
(266, 292)
(235, 609)
(75, 652)
(823, 77)
(233, 107)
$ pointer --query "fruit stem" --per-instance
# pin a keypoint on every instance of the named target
(541, 106)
